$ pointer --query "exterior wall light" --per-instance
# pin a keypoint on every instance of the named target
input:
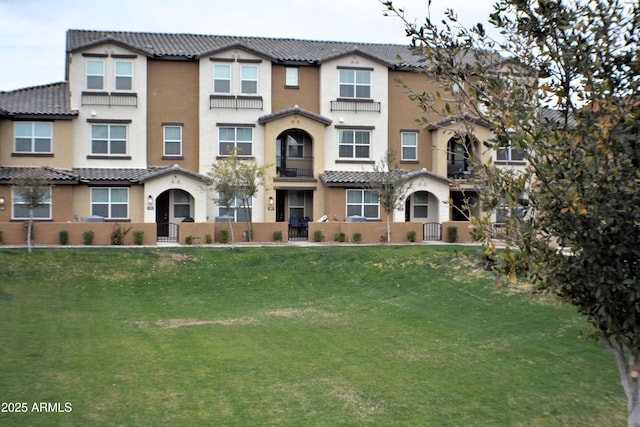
(150, 203)
(1, 203)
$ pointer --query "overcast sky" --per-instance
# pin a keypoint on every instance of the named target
(32, 32)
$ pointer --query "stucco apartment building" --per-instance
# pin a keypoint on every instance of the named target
(135, 128)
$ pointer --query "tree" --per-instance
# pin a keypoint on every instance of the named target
(574, 212)
(33, 190)
(237, 181)
(389, 183)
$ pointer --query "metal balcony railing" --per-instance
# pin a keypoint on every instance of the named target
(293, 167)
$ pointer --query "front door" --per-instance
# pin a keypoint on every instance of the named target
(162, 214)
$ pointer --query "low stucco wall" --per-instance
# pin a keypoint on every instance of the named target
(465, 231)
(48, 233)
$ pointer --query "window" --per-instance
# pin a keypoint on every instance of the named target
(291, 76)
(249, 79)
(355, 84)
(237, 211)
(354, 144)
(181, 204)
(124, 75)
(110, 203)
(108, 139)
(231, 138)
(172, 140)
(296, 204)
(222, 78)
(363, 203)
(409, 145)
(95, 74)
(21, 211)
(421, 204)
(32, 137)
(295, 145)
(510, 154)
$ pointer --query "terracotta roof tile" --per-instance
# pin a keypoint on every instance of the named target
(46, 100)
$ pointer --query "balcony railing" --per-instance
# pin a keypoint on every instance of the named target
(117, 99)
(356, 105)
(232, 102)
(294, 167)
(458, 172)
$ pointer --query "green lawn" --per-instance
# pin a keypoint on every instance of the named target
(289, 336)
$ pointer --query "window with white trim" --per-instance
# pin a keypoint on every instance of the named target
(181, 204)
(355, 84)
(354, 144)
(249, 79)
(108, 139)
(123, 71)
(19, 209)
(95, 74)
(110, 203)
(421, 204)
(510, 154)
(363, 203)
(221, 78)
(239, 212)
(296, 204)
(172, 140)
(291, 76)
(32, 137)
(231, 138)
(409, 141)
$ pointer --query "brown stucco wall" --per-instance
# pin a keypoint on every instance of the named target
(48, 233)
(173, 98)
(306, 95)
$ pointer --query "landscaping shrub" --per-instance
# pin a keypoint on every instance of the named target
(208, 239)
(452, 234)
(247, 235)
(63, 237)
(411, 236)
(188, 240)
(87, 237)
(118, 234)
(277, 236)
(1, 238)
(340, 237)
(138, 237)
(357, 237)
(318, 236)
(224, 235)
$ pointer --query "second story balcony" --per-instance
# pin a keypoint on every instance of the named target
(294, 167)
(356, 105)
(232, 102)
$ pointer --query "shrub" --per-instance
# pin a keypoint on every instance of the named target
(63, 237)
(411, 236)
(357, 237)
(318, 236)
(1, 237)
(87, 237)
(452, 234)
(118, 234)
(277, 236)
(224, 235)
(247, 235)
(340, 237)
(138, 237)
(208, 239)
(188, 240)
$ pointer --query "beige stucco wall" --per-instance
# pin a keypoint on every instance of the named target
(82, 203)
(61, 145)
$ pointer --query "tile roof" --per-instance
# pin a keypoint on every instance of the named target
(282, 50)
(362, 178)
(7, 173)
(50, 100)
(294, 110)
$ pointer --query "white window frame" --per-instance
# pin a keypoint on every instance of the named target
(179, 203)
(407, 145)
(110, 203)
(354, 144)
(33, 137)
(110, 140)
(235, 142)
(40, 213)
(291, 77)
(244, 79)
(218, 77)
(236, 206)
(417, 204)
(170, 140)
(508, 154)
(89, 75)
(351, 81)
(122, 77)
(364, 202)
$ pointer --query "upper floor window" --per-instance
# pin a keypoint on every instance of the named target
(363, 203)
(32, 137)
(291, 78)
(249, 79)
(172, 140)
(354, 144)
(108, 139)
(110, 203)
(510, 154)
(355, 84)
(232, 138)
(95, 74)
(409, 145)
(21, 211)
(123, 75)
(222, 78)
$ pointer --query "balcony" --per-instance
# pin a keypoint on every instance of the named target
(113, 99)
(232, 102)
(294, 167)
(355, 105)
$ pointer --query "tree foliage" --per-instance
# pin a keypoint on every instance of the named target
(33, 189)
(574, 211)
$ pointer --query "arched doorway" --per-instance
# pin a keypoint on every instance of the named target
(460, 150)
(421, 206)
(294, 154)
(172, 207)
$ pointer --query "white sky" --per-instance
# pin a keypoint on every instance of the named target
(32, 32)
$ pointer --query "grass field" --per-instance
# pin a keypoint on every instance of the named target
(288, 336)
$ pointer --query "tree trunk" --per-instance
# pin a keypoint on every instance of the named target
(233, 239)
(627, 364)
(633, 419)
(388, 229)
(29, 228)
